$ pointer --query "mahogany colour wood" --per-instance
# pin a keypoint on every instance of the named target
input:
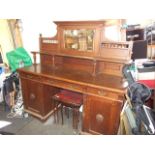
(97, 75)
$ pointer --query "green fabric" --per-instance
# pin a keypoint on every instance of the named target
(18, 58)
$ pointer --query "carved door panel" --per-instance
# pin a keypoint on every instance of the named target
(32, 94)
(101, 116)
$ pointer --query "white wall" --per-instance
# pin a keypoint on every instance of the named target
(31, 30)
(6, 41)
(142, 22)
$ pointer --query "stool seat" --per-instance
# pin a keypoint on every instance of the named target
(69, 99)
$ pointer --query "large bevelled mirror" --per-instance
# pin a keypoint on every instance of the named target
(79, 40)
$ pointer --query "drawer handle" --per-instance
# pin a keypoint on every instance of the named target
(29, 76)
(72, 87)
(48, 81)
(101, 92)
(99, 118)
(32, 96)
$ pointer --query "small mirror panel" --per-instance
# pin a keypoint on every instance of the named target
(79, 40)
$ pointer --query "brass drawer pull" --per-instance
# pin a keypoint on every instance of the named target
(101, 92)
(29, 76)
(72, 86)
(32, 96)
(48, 81)
(99, 118)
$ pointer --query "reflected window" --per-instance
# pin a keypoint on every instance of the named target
(79, 40)
(111, 33)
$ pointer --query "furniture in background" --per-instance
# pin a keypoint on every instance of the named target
(151, 85)
(78, 59)
(150, 37)
(135, 34)
(150, 33)
(139, 49)
(1, 60)
(127, 119)
(1, 56)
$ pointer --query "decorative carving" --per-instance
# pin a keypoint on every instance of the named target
(115, 45)
(50, 41)
(94, 68)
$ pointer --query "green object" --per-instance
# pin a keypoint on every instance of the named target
(18, 58)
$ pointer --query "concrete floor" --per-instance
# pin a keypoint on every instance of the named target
(33, 126)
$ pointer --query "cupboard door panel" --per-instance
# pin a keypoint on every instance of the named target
(32, 94)
(101, 116)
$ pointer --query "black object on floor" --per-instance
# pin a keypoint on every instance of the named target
(5, 133)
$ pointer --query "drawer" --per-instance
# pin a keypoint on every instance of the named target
(30, 76)
(71, 86)
(64, 84)
(102, 92)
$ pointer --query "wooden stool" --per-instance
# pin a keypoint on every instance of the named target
(56, 108)
(71, 100)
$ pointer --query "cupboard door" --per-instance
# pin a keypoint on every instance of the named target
(32, 95)
(101, 116)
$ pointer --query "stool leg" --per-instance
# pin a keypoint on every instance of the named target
(57, 111)
(61, 107)
(75, 117)
(54, 104)
(67, 112)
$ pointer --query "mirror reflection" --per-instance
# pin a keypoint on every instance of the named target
(80, 40)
